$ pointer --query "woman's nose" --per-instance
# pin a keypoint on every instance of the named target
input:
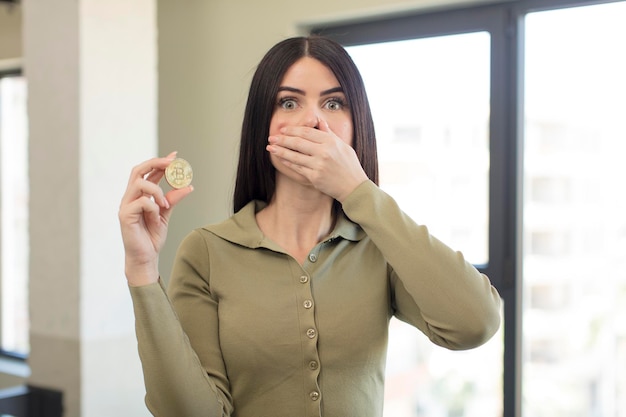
(311, 118)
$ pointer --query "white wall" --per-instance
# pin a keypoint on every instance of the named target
(92, 79)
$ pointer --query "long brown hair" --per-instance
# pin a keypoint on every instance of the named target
(256, 176)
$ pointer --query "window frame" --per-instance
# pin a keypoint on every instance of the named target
(505, 23)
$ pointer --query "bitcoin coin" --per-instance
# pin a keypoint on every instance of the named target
(178, 173)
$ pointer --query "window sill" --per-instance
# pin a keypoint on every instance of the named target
(14, 367)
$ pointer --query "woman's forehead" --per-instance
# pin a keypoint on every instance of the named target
(311, 73)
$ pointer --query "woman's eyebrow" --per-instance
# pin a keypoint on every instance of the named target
(331, 91)
(292, 90)
(302, 92)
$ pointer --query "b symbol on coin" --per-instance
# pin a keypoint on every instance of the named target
(178, 173)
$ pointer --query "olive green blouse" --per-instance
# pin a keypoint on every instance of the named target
(246, 331)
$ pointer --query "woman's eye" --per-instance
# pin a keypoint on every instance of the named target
(335, 104)
(288, 103)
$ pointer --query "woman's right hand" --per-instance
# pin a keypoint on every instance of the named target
(144, 215)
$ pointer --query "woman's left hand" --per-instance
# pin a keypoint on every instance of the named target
(329, 163)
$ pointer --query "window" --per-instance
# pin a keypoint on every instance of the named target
(13, 216)
(575, 267)
(528, 185)
(432, 124)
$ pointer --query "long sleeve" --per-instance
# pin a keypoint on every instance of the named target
(176, 382)
(433, 287)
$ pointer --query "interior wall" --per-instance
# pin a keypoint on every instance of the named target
(208, 51)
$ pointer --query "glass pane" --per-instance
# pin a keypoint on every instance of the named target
(430, 101)
(14, 216)
(574, 283)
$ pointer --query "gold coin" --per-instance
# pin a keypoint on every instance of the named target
(178, 173)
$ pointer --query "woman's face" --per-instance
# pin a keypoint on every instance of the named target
(309, 92)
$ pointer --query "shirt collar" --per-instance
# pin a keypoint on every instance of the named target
(242, 229)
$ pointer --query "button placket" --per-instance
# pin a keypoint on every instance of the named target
(305, 305)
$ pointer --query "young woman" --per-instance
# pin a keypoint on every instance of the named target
(283, 309)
